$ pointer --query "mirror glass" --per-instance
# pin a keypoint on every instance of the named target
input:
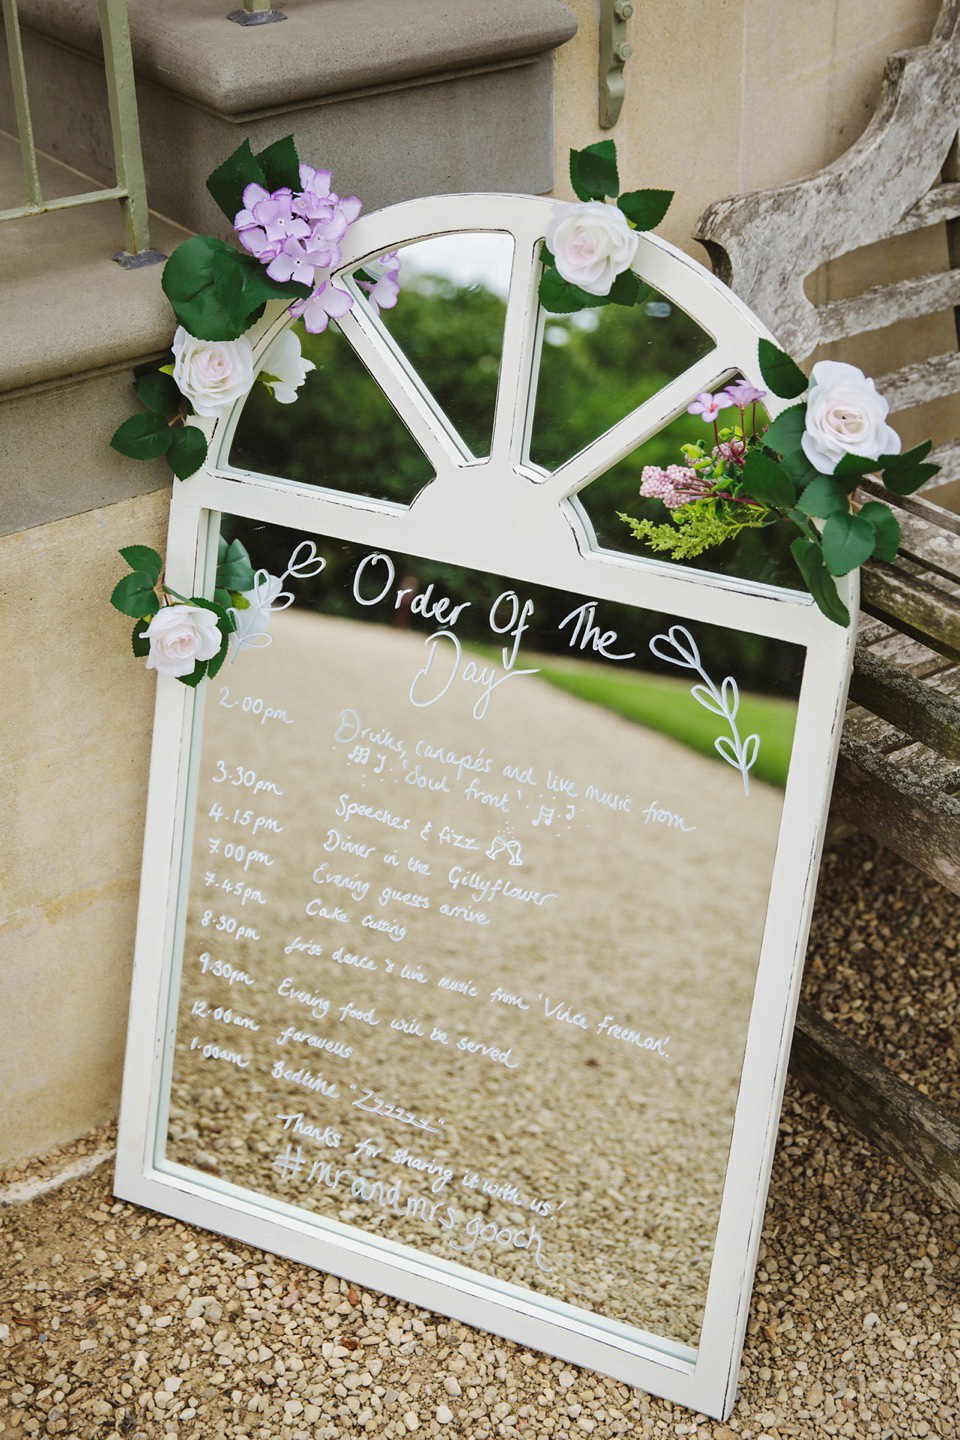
(598, 365)
(341, 433)
(445, 975)
(447, 317)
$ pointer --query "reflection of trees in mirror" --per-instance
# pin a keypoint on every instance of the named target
(343, 433)
(767, 667)
(453, 337)
(598, 365)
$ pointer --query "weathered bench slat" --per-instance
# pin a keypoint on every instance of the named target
(948, 458)
(884, 305)
(924, 611)
(921, 710)
(937, 517)
(917, 1133)
(926, 380)
(919, 822)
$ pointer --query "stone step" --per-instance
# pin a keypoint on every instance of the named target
(400, 97)
(75, 324)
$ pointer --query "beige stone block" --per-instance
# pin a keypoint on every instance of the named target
(74, 748)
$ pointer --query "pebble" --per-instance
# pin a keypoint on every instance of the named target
(853, 1331)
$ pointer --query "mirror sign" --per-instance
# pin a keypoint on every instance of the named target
(473, 974)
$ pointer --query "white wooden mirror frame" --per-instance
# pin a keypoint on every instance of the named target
(502, 515)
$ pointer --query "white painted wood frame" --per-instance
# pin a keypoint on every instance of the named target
(506, 516)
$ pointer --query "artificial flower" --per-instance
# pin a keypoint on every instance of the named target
(591, 243)
(384, 289)
(742, 394)
(326, 303)
(708, 406)
(212, 374)
(286, 368)
(846, 415)
(179, 636)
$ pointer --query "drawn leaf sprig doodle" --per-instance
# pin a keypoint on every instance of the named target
(678, 647)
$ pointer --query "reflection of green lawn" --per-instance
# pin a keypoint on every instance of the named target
(666, 705)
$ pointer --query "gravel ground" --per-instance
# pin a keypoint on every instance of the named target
(118, 1323)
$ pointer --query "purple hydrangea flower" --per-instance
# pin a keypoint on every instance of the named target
(384, 289)
(325, 304)
(297, 262)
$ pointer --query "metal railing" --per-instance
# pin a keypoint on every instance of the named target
(130, 188)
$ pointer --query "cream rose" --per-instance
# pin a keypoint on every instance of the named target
(845, 415)
(179, 636)
(592, 244)
(285, 367)
(212, 374)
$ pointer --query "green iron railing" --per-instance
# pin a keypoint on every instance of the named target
(256, 12)
(130, 189)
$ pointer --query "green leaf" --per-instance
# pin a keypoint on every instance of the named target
(848, 541)
(195, 676)
(780, 374)
(258, 287)
(823, 497)
(142, 558)
(819, 582)
(142, 437)
(187, 452)
(645, 208)
(280, 163)
(593, 171)
(546, 255)
(159, 393)
(141, 646)
(783, 434)
(135, 595)
(886, 528)
(626, 289)
(224, 620)
(204, 282)
(851, 465)
(908, 460)
(229, 180)
(214, 665)
(561, 298)
(234, 570)
(905, 482)
(763, 479)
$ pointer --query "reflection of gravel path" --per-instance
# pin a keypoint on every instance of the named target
(648, 927)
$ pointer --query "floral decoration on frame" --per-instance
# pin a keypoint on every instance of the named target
(801, 469)
(290, 224)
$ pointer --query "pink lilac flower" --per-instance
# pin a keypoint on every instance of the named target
(384, 289)
(707, 405)
(742, 394)
(733, 450)
(325, 304)
(675, 486)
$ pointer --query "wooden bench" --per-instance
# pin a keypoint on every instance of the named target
(898, 776)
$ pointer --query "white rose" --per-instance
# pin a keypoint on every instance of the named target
(286, 367)
(845, 415)
(592, 244)
(211, 373)
(180, 635)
